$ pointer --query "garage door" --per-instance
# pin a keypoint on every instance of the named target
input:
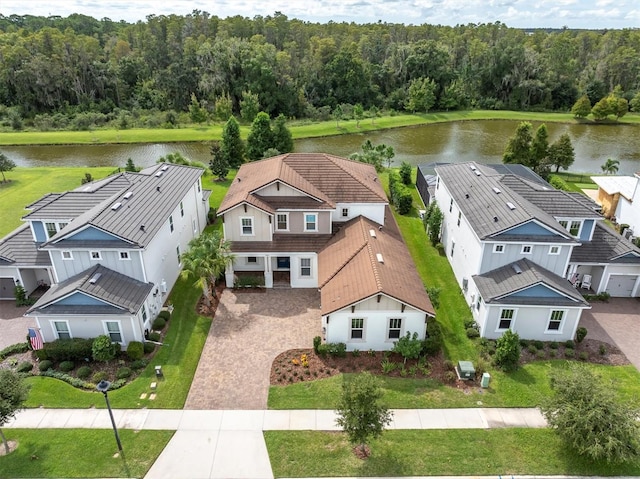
(6, 288)
(621, 285)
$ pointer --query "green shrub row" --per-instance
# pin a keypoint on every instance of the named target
(338, 350)
(79, 383)
(400, 195)
(14, 349)
(76, 349)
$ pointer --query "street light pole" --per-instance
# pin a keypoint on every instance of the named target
(103, 386)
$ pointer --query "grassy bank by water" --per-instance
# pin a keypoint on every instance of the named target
(299, 129)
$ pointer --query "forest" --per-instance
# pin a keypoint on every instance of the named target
(79, 72)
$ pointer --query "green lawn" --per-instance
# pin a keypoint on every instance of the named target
(27, 185)
(178, 356)
(81, 453)
(299, 129)
(456, 452)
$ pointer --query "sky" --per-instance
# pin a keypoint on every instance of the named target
(595, 14)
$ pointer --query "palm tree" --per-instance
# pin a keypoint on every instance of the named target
(207, 258)
(610, 167)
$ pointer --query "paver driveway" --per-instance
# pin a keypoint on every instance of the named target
(620, 320)
(249, 330)
(13, 326)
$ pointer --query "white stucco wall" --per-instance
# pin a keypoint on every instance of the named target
(91, 326)
(629, 212)
(233, 225)
(373, 211)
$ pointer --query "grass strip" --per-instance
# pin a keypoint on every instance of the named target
(81, 453)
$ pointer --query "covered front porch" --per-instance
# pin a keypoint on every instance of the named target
(273, 270)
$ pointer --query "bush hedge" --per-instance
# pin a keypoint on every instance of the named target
(83, 372)
(45, 365)
(24, 367)
(66, 366)
(76, 349)
(14, 349)
(158, 324)
(135, 350)
(164, 314)
(148, 347)
(123, 373)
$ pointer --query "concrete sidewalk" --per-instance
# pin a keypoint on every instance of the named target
(229, 443)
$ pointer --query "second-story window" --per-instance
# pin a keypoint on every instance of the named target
(311, 222)
(67, 255)
(95, 255)
(247, 226)
(181, 209)
(554, 249)
(282, 222)
(451, 205)
(459, 217)
(124, 255)
(345, 212)
(171, 223)
(498, 248)
(526, 249)
(53, 228)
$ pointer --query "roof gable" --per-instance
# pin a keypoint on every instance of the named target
(79, 298)
(530, 228)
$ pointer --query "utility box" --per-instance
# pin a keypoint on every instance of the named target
(484, 382)
(466, 370)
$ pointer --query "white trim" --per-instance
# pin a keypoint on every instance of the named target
(310, 275)
(242, 226)
(171, 225)
(286, 215)
(55, 331)
(127, 258)
(522, 250)
(499, 245)
(401, 329)
(557, 251)
(304, 219)
(107, 332)
(97, 258)
(363, 339)
(562, 322)
(512, 319)
(70, 255)
(343, 211)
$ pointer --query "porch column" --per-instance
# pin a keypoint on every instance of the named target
(228, 275)
(268, 272)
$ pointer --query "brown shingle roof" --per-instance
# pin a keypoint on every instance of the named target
(349, 269)
(329, 179)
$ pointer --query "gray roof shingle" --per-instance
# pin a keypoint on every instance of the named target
(19, 249)
(605, 246)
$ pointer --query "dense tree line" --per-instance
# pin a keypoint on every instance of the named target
(78, 71)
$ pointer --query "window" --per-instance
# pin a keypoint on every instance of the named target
(357, 328)
(178, 254)
(95, 255)
(437, 182)
(506, 318)
(459, 217)
(572, 227)
(62, 329)
(478, 303)
(526, 249)
(124, 255)
(112, 329)
(252, 259)
(67, 255)
(195, 226)
(53, 228)
(61, 225)
(181, 209)
(311, 222)
(451, 205)
(247, 226)
(199, 185)
(554, 249)
(282, 222)
(555, 320)
(171, 223)
(144, 314)
(453, 248)
(305, 267)
(345, 212)
(395, 326)
(498, 248)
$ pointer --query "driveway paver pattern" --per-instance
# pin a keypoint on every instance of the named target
(248, 331)
(13, 325)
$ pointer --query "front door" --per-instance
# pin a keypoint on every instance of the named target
(283, 262)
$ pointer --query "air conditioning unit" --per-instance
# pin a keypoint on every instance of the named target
(465, 370)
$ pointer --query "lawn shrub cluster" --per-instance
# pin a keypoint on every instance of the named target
(75, 349)
(401, 196)
(14, 349)
(338, 350)
(158, 324)
(432, 344)
(135, 350)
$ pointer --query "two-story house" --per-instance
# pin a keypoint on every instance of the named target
(620, 199)
(307, 220)
(110, 251)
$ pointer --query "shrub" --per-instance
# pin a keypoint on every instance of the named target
(603, 350)
(75, 382)
(388, 366)
(355, 353)
(470, 323)
(482, 366)
(76, 349)
(148, 347)
(24, 367)
(135, 350)
(338, 350)
(323, 350)
(433, 342)
(45, 365)
(583, 356)
(317, 341)
(508, 351)
(569, 344)
(553, 353)
(409, 346)
(538, 344)
(154, 336)
(450, 376)
(14, 349)
(66, 366)
(434, 296)
(558, 183)
(164, 314)
(449, 365)
(473, 333)
(83, 372)
(581, 333)
(102, 348)
(99, 376)
(139, 364)
(524, 343)
(532, 349)
(123, 373)
(540, 354)
(569, 353)
(553, 345)
(158, 324)
(405, 173)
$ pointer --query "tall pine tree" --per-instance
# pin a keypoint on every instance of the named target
(232, 146)
(260, 137)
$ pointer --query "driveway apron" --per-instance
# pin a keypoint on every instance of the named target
(13, 325)
(248, 331)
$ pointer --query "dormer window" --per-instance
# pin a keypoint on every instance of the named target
(345, 212)
(573, 227)
(54, 227)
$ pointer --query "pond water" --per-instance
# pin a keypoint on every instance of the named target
(481, 141)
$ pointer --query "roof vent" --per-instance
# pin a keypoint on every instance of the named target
(159, 174)
(164, 168)
(477, 173)
(495, 219)
(372, 232)
(379, 258)
(473, 167)
(94, 279)
(157, 188)
(466, 195)
(516, 268)
(116, 206)
(128, 195)
(142, 227)
(511, 205)
(496, 190)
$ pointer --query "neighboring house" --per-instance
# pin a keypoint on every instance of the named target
(513, 243)
(620, 199)
(110, 251)
(306, 220)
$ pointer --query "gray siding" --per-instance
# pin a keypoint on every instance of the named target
(110, 259)
(513, 252)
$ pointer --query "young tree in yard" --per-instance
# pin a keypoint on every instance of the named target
(408, 346)
(360, 412)
(610, 167)
(13, 392)
(218, 165)
(603, 109)
(232, 146)
(586, 413)
(224, 107)
(582, 107)
(131, 166)
(374, 154)
(507, 353)
(283, 141)
(374, 111)
(518, 148)
(539, 149)
(206, 259)
(433, 222)
(102, 349)
(260, 137)
(196, 112)
(561, 153)
(405, 173)
(358, 113)
(5, 165)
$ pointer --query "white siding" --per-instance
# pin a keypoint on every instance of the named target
(615, 269)
(279, 189)
(513, 252)
(373, 211)
(531, 322)
(233, 226)
(299, 281)
(88, 326)
(629, 212)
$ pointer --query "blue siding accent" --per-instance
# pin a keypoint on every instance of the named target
(529, 229)
(92, 234)
(627, 258)
(537, 291)
(587, 228)
(80, 299)
(41, 234)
